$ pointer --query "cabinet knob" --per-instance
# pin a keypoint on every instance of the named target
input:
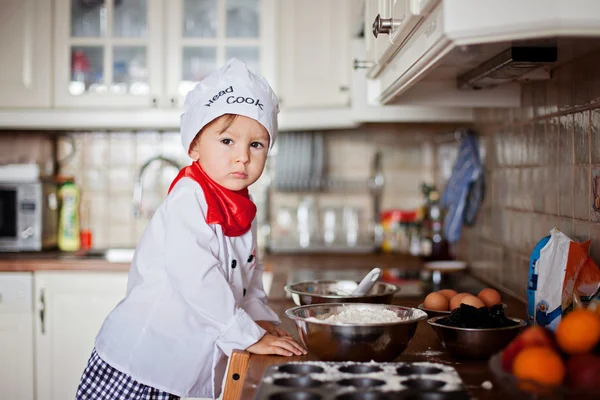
(344, 88)
(382, 25)
(154, 102)
(173, 101)
(357, 64)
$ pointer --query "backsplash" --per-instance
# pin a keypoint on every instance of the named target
(541, 164)
(106, 164)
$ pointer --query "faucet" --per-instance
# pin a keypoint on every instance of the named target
(138, 187)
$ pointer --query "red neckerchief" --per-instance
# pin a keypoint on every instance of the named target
(234, 211)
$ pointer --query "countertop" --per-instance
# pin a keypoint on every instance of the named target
(423, 347)
(96, 261)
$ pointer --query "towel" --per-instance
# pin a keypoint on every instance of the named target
(466, 172)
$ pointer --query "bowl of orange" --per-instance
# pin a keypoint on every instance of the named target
(560, 364)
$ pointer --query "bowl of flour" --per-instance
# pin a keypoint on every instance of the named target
(332, 291)
(355, 331)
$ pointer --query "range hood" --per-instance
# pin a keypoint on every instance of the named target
(461, 45)
(512, 64)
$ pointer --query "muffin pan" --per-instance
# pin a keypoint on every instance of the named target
(361, 381)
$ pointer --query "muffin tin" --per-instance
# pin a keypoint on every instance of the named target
(354, 381)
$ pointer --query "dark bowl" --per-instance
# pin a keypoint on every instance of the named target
(323, 292)
(475, 343)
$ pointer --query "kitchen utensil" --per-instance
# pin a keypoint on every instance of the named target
(509, 384)
(379, 342)
(433, 313)
(438, 313)
(347, 381)
(338, 291)
(475, 343)
(367, 283)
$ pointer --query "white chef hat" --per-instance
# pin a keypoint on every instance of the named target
(233, 89)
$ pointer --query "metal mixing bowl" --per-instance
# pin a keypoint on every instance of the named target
(475, 343)
(321, 292)
(354, 342)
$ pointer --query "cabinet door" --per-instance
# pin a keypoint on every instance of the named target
(25, 52)
(71, 307)
(314, 64)
(16, 336)
(203, 34)
(108, 53)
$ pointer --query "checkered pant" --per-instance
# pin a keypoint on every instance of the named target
(100, 381)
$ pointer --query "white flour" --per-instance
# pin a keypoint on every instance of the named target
(362, 316)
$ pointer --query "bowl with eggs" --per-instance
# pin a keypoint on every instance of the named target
(442, 302)
(339, 291)
(355, 331)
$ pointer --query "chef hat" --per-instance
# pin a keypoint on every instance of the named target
(233, 89)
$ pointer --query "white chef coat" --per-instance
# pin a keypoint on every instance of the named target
(193, 295)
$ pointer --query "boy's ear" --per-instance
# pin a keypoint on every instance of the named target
(194, 153)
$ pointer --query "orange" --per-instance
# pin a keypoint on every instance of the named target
(541, 365)
(578, 332)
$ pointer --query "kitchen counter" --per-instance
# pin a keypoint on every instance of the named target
(423, 347)
(95, 260)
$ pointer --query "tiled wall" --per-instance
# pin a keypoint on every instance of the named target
(23, 147)
(541, 162)
(106, 164)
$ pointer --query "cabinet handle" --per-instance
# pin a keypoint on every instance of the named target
(382, 25)
(42, 311)
(173, 102)
(357, 64)
(154, 102)
(344, 88)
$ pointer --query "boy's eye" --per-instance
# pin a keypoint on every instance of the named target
(257, 145)
(226, 141)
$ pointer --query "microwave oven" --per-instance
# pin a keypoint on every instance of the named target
(28, 216)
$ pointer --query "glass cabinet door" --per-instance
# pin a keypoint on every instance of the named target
(213, 31)
(108, 52)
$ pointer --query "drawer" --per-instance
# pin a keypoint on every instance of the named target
(16, 292)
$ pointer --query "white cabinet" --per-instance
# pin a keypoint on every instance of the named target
(202, 35)
(107, 53)
(16, 336)
(70, 309)
(25, 43)
(150, 53)
(313, 54)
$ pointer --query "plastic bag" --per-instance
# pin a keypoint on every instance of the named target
(558, 269)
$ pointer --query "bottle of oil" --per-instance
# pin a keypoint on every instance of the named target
(68, 224)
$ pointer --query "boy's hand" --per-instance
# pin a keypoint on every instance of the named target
(283, 346)
(272, 329)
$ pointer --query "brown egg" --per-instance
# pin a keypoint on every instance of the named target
(490, 297)
(455, 301)
(472, 301)
(436, 301)
(448, 293)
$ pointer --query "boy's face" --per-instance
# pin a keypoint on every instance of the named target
(234, 157)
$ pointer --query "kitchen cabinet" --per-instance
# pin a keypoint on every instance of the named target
(150, 53)
(202, 35)
(25, 43)
(16, 336)
(70, 308)
(435, 46)
(313, 54)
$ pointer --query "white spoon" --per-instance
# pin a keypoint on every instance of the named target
(367, 283)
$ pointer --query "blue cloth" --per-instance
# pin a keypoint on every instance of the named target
(466, 170)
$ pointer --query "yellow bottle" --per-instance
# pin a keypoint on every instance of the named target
(68, 226)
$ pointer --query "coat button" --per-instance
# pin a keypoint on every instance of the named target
(251, 258)
(233, 264)
(244, 292)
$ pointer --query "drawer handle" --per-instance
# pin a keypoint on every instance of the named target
(42, 311)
